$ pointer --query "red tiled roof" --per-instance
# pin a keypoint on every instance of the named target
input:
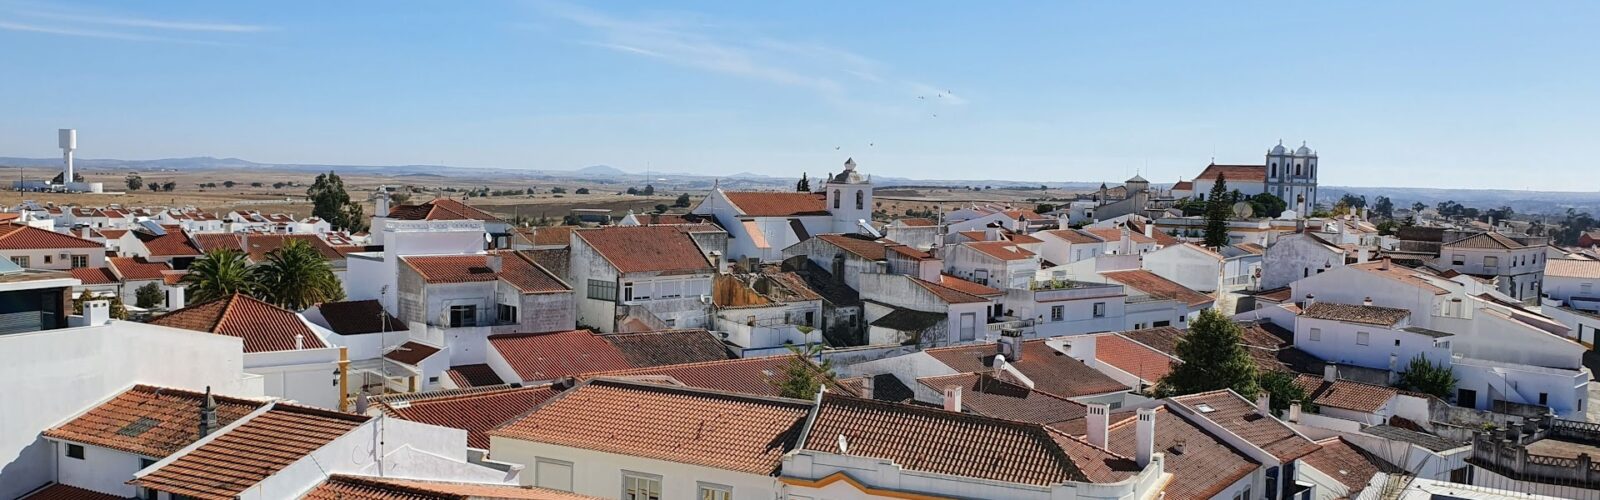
(553, 235)
(713, 429)
(264, 327)
(1345, 394)
(668, 347)
(440, 209)
(1112, 235)
(991, 396)
(968, 287)
(1074, 236)
(112, 234)
(216, 241)
(137, 268)
(60, 491)
(1355, 313)
(647, 248)
(1003, 250)
(745, 375)
(917, 222)
(1138, 359)
(1348, 464)
(1489, 240)
(868, 248)
(173, 244)
(452, 268)
(1025, 214)
(356, 317)
(1234, 173)
(933, 440)
(94, 275)
(476, 412)
(411, 353)
(1051, 371)
(778, 204)
(519, 269)
(1240, 417)
(149, 421)
(233, 462)
(549, 356)
(948, 294)
(1183, 186)
(1162, 238)
(345, 487)
(1156, 286)
(1570, 268)
(24, 237)
(1206, 466)
(478, 375)
(259, 245)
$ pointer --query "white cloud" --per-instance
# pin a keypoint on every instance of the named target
(51, 20)
(139, 22)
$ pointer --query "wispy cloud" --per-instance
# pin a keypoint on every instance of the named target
(85, 24)
(89, 33)
(694, 41)
(141, 22)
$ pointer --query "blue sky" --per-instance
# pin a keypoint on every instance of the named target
(1448, 94)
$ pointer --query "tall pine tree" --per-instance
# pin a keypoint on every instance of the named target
(804, 186)
(1212, 359)
(1218, 208)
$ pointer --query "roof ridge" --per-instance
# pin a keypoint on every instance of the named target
(227, 308)
(624, 371)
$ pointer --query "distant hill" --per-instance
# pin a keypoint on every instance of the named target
(600, 170)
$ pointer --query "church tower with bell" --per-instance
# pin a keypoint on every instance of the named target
(849, 198)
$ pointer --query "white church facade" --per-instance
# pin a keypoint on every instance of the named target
(1288, 175)
(760, 224)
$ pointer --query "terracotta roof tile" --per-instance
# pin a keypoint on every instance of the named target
(452, 268)
(345, 487)
(60, 491)
(218, 241)
(1399, 273)
(1156, 286)
(1234, 173)
(549, 356)
(112, 234)
(1347, 463)
(1137, 359)
(648, 248)
(917, 222)
(553, 235)
(1074, 236)
(1355, 313)
(1206, 466)
(1183, 186)
(243, 456)
(137, 268)
(1161, 237)
(356, 317)
(693, 426)
(668, 347)
(175, 243)
(259, 245)
(1050, 370)
(968, 287)
(1112, 235)
(946, 293)
(933, 440)
(1003, 250)
(411, 353)
(476, 412)
(1240, 417)
(1345, 394)
(440, 209)
(520, 270)
(745, 375)
(94, 275)
(1489, 240)
(868, 248)
(24, 237)
(264, 327)
(987, 395)
(148, 420)
(778, 204)
(1024, 214)
(479, 375)
(1568, 268)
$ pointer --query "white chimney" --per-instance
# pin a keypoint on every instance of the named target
(1126, 241)
(866, 387)
(494, 262)
(1099, 420)
(1145, 436)
(1294, 412)
(1363, 255)
(952, 398)
(299, 341)
(1149, 230)
(68, 138)
(1264, 403)
(175, 298)
(96, 312)
(1330, 372)
(1310, 299)
(1366, 301)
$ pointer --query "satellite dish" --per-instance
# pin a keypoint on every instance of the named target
(1243, 210)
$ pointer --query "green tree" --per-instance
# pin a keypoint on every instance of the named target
(682, 201)
(661, 208)
(220, 273)
(1282, 391)
(330, 202)
(1044, 208)
(135, 182)
(148, 296)
(1383, 207)
(296, 276)
(1423, 376)
(801, 378)
(1417, 207)
(1218, 208)
(1267, 205)
(804, 185)
(578, 191)
(1212, 359)
(169, 186)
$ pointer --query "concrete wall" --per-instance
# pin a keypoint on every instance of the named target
(1295, 257)
(102, 469)
(600, 474)
(1338, 344)
(306, 375)
(50, 258)
(1191, 267)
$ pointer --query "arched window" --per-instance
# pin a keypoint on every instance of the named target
(1274, 169)
(836, 199)
(861, 199)
(1297, 169)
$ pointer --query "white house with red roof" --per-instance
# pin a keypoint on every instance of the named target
(290, 355)
(35, 248)
(643, 278)
(762, 224)
(999, 264)
(1289, 175)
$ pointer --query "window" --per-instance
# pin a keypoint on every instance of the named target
(1586, 288)
(75, 451)
(861, 200)
(1363, 338)
(1057, 312)
(1490, 261)
(835, 199)
(508, 313)
(1458, 260)
(710, 491)
(1274, 169)
(1544, 399)
(433, 380)
(1138, 326)
(627, 292)
(552, 474)
(1099, 309)
(20, 260)
(80, 261)
(1297, 169)
(47, 259)
(1162, 323)
(603, 290)
(463, 315)
(636, 486)
(1316, 334)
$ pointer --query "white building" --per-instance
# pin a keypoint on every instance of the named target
(288, 353)
(1289, 175)
(760, 225)
(645, 278)
(1297, 256)
(1516, 267)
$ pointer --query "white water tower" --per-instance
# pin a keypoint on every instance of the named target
(69, 142)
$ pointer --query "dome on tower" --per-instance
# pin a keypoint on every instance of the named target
(849, 175)
(1279, 149)
(1303, 150)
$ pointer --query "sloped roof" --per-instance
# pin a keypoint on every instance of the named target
(1356, 313)
(1050, 371)
(1206, 466)
(25, 237)
(1347, 463)
(647, 248)
(60, 491)
(521, 271)
(137, 268)
(1002, 250)
(346, 487)
(1345, 394)
(947, 293)
(264, 327)
(778, 204)
(668, 347)
(175, 243)
(235, 461)
(968, 287)
(1074, 236)
(755, 375)
(257, 246)
(1569, 268)
(871, 249)
(1156, 286)
(440, 209)
(1240, 417)
(907, 320)
(988, 395)
(478, 375)
(411, 353)
(94, 275)
(1385, 269)
(916, 222)
(549, 356)
(692, 426)
(1112, 235)
(1489, 241)
(476, 412)
(356, 317)
(148, 420)
(1256, 173)
(438, 269)
(1129, 356)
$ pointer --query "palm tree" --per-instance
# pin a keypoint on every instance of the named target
(297, 276)
(221, 273)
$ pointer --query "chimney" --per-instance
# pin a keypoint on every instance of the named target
(1126, 241)
(1363, 255)
(866, 387)
(175, 298)
(1294, 412)
(1366, 301)
(1310, 299)
(1149, 230)
(1179, 447)
(299, 341)
(84, 232)
(380, 202)
(1264, 403)
(1385, 263)
(952, 398)
(96, 312)
(1330, 372)
(1145, 436)
(494, 262)
(208, 414)
(1099, 419)
(362, 402)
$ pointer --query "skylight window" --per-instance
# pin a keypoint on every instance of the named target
(1205, 408)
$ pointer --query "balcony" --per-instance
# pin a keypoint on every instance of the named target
(1058, 290)
(459, 318)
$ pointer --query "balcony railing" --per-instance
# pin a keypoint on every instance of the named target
(464, 319)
